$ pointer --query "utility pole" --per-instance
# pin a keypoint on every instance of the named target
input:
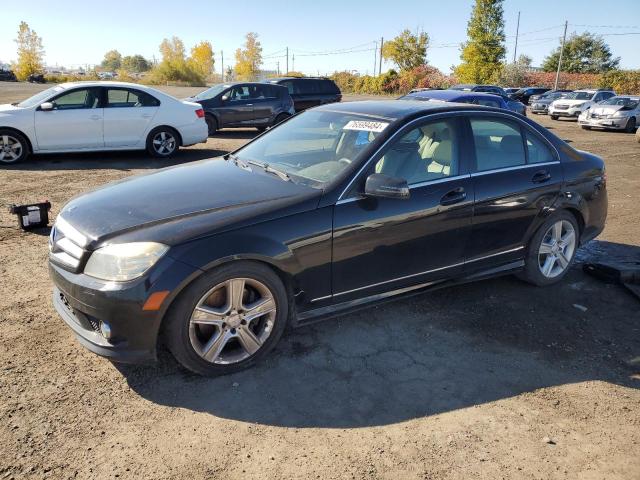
(278, 66)
(515, 49)
(222, 56)
(287, 61)
(381, 44)
(375, 58)
(293, 62)
(564, 38)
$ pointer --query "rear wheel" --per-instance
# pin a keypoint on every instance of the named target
(212, 124)
(554, 117)
(162, 142)
(631, 125)
(552, 250)
(13, 147)
(228, 319)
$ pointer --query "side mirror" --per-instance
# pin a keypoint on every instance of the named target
(225, 98)
(381, 185)
(46, 106)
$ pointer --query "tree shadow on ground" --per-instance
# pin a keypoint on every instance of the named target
(432, 353)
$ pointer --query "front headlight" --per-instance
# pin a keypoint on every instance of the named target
(578, 105)
(124, 261)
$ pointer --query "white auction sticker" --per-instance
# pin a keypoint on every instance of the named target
(366, 125)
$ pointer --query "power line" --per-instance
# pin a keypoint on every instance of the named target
(604, 26)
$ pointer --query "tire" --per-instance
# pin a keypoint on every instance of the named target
(585, 127)
(170, 142)
(554, 117)
(189, 340)
(212, 124)
(631, 125)
(261, 129)
(14, 147)
(536, 261)
(281, 117)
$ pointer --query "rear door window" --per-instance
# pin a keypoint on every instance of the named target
(498, 144)
(537, 150)
(124, 98)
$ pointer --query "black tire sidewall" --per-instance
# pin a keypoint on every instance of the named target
(531, 272)
(23, 141)
(212, 124)
(176, 324)
(630, 127)
(152, 151)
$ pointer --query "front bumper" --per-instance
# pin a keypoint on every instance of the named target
(571, 112)
(539, 108)
(614, 123)
(83, 302)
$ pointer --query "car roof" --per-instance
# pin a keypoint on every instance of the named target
(452, 95)
(104, 83)
(396, 109)
(278, 79)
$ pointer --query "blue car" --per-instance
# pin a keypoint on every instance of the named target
(476, 98)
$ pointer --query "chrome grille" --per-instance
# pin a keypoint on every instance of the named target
(561, 106)
(66, 245)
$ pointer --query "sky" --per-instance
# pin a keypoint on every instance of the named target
(322, 36)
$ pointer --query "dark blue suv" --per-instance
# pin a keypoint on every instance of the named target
(244, 104)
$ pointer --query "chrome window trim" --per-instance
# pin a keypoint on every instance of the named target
(326, 297)
(516, 167)
(414, 185)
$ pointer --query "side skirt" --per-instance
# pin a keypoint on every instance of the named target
(323, 313)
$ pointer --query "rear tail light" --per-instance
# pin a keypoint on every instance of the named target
(200, 113)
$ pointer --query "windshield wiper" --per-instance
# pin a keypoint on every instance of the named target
(238, 162)
(267, 168)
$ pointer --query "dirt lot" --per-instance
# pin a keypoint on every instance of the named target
(462, 383)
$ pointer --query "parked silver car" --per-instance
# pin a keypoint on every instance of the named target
(621, 112)
(540, 105)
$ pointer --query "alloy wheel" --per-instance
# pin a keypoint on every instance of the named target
(557, 249)
(232, 321)
(10, 149)
(164, 143)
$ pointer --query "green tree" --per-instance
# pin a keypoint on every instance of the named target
(484, 52)
(135, 63)
(407, 50)
(112, 60)
(174, 66)
(249, 58)
(584, 53)
(30, 52)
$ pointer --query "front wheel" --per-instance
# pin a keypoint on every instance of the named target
(162, 142)
(585, 127)
(13, 147)
(631, 125)
(228, 319)
(554, 117)
(552, 250)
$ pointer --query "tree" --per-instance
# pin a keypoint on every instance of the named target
(202, 59)
(174, 67)
(483, 53)
(30, 52)
(515, 74)
(407, 50)
(172, 50)
(136, 64)
(249, 58)
(585, 53)
(112, 60)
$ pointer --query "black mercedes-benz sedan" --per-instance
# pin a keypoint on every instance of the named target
(335, 208)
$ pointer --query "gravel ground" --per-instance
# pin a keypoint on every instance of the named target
(496, 379)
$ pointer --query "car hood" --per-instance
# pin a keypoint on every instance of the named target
(606, 109)
(182, 203)
(567, 101)
(8, 109)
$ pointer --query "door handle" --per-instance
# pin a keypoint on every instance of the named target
(541, 176)
(456, 195)
(95, 117)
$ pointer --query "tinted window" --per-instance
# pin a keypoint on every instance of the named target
(328, 87)
(487, 102)
(498, 144)
(76, 99)
(289, 85)
(239, 93)
(121, 98)
(428, 152)
(537, 150)
(307, 87)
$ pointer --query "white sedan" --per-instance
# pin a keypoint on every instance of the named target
(95, 116)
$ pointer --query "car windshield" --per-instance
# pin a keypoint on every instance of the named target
(212, 92)
(554, 95)
(626, 102)
(579, 96)
(315, 147)
(39, 98)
